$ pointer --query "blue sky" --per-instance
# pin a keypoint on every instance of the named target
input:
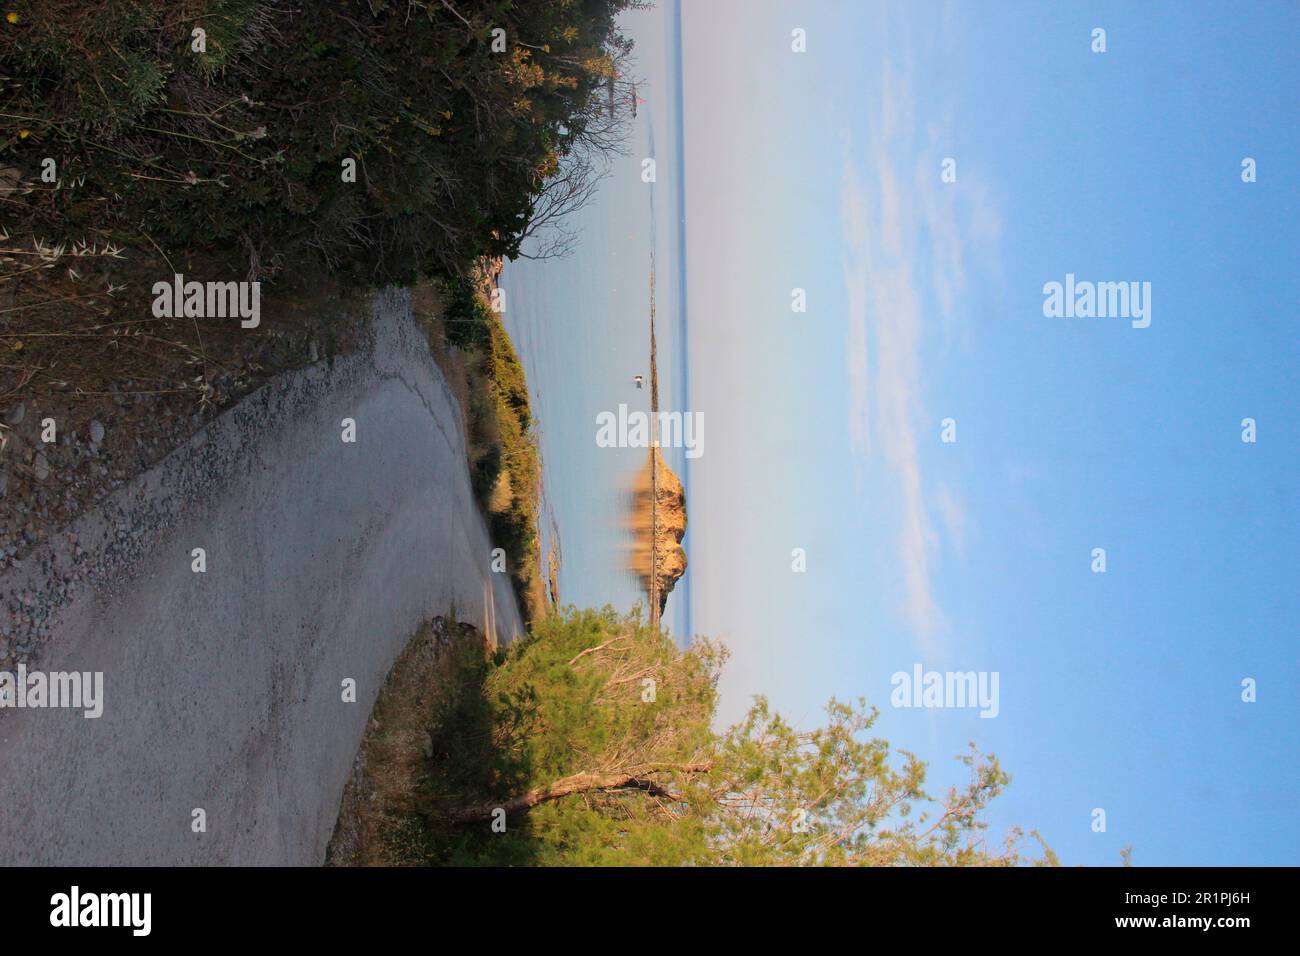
(821, 170)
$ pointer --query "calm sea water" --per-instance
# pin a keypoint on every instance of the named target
(581, 326)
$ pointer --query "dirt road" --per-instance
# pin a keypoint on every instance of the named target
(223, 690)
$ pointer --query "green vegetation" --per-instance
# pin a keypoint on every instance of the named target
(323, 147)
(593, 741)
(225, 126)
(505, 467)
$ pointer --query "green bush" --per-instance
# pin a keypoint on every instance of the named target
(469, 321)
(562, 736)
(237, 151)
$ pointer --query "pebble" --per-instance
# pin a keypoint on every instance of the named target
(16, 414)
(97, 433)
(41, 467)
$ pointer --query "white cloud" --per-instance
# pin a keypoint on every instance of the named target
(906, 245)
(952, 512)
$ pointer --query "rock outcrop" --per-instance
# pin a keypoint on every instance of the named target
(668, 522)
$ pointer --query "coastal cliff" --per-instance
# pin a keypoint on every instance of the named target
(665, 521)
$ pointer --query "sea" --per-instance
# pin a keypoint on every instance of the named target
(581, 327)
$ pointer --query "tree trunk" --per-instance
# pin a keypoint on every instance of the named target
(577, 783)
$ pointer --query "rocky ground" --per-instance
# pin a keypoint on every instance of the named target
(65, 450)
(44, 485)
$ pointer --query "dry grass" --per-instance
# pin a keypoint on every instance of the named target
(77, 321)
(469, 375)
(427, 306)
(79, 344)
(379, 815)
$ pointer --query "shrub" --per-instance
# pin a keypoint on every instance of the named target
(237, 150)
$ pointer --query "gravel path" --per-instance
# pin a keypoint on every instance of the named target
(223, 690)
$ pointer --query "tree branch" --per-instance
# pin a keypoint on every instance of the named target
(577, 783)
